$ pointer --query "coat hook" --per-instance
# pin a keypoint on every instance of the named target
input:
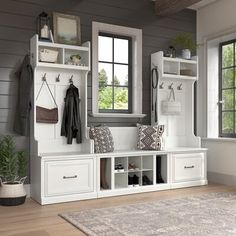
(171, 86)
(180, 87)
(71, 79)
(58, 78)
(44, 77)
(161, 85)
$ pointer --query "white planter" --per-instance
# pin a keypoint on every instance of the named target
(186, 54)
(12, 194)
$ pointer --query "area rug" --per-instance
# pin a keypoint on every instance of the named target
(201, 215)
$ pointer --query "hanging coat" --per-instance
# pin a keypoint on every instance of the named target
(25, 81)
(71, 123)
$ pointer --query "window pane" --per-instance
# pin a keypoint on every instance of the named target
(104, 48)
(228, 98)
(105, 98)
(121, 75)
(228, 78)
(121, 98)
(228, 122)
(121, 50)
(228, 55)
(104, 74)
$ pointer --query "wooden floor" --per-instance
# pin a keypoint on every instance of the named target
(31, 219)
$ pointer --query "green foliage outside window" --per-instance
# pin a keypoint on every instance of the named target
(228, 88)
(106, 93)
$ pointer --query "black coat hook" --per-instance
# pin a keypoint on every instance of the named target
(58, 78)
(44, 77)
(71, 79)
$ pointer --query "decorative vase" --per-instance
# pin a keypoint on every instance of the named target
(12, 193)
(186, 54)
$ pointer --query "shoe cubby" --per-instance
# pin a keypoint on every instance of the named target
(147, 163)
(134, 179)
(147, 178)
(120, 164)
(105, 174)
(161, 169)
(121, 180)
(134, 163)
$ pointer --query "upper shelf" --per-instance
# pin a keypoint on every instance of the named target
(54, 55)
(175, 68)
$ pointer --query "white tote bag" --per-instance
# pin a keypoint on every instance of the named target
(171, 107)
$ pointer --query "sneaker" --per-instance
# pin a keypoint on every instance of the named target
(119, 168)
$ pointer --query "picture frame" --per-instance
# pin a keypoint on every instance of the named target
(66, 29)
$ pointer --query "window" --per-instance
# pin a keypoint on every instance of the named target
(227, 89)
(114, 73)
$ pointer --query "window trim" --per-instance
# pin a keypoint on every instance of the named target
(129, 64)
(136, 35)
(221, 134)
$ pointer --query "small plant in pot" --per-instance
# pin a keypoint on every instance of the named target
(186, 44)
(12, 172)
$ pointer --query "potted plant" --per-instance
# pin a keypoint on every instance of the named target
(185, 43)
(12, 173)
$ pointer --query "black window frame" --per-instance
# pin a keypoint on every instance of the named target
(221, 89)
(113, 110)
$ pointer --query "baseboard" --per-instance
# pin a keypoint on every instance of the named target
(27, 189)
(221, 178)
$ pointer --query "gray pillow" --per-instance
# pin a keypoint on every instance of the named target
(149, 137)
(103, 140)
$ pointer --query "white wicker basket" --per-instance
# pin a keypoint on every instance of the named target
(48, 55)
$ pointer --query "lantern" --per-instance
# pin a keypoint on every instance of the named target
(43, 26)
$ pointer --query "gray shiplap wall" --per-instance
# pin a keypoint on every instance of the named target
(17, 26)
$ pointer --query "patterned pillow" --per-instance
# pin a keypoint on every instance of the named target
(149, 137)
(103, 140)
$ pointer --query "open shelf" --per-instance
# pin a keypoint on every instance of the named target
(63, 60)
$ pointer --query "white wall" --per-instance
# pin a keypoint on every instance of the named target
(214, 21)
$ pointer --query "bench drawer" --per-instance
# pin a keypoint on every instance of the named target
(187, 167)
(69, 177)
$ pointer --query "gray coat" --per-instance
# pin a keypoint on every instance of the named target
(25, 77)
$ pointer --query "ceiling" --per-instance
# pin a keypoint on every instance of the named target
(201, 4)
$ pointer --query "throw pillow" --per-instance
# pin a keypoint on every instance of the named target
(149, 137)
(103, 140)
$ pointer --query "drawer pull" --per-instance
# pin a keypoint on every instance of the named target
(189, 167)
(70, 177)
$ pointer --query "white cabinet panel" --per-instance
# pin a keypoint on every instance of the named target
(187, 167)
(69, 177)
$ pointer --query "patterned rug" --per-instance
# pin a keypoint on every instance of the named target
(201, 215)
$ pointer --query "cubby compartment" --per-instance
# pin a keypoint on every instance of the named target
(147, 178)
(50, 55)
(134, 179)
(81, 57)
(121, 180)
(147, 163)
(161, 169)
(134, 163)
(105, 174)
(170, 67)
(120, 164)
(188, 68)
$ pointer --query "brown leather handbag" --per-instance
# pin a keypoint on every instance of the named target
(45, 115)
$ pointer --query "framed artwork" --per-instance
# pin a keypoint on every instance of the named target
(66, 29)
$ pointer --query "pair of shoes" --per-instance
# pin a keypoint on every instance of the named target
(146, 180)
(133, 181)
(119, 168)
(132, 166)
